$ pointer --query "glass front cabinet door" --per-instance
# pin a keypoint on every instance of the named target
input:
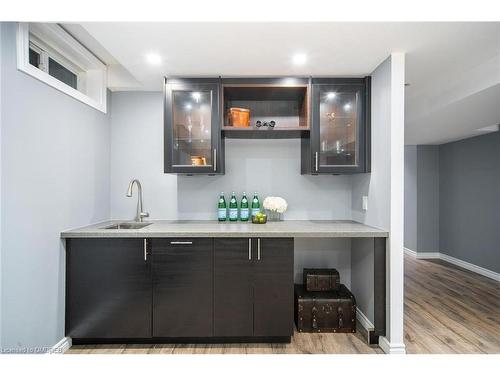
(192, 126)
(340, 126)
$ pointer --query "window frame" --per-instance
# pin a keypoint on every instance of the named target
(52, 41)
(46, 53)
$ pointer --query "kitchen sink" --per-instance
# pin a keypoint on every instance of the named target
(127, 226)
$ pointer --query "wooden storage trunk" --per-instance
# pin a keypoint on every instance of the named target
(321, 279)
(325, 311)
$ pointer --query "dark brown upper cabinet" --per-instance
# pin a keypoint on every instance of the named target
(331, 116)
(192, 136)
(339, 140)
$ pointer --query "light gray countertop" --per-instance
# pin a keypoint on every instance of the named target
(209, 228)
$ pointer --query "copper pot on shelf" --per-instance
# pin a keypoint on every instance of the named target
(239, 117)
(198, 160)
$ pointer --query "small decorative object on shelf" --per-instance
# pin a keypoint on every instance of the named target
(271, 124)
(275, 207)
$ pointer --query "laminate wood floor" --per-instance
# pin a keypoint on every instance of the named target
(447, 310)
(302, 343)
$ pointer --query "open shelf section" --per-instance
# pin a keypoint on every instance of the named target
(286, 105)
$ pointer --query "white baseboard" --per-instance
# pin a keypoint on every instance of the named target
(389, 348)
(61, 346)
(428, 255)
(471, 267)
(422, 255)
(365, 322)
(457, 262)
(410, 252)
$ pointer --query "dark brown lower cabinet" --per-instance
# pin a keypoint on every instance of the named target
(182, 287)
(132, 288)
(108, 288)
(253, 287)
(233, 289)
(273, 288)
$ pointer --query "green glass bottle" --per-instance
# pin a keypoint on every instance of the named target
(222, 212)
(255, 204)
(244, 210)
(233, 208)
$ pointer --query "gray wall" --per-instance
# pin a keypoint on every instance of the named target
(271, 167)
(375, 185)
(470, 200)
(422, 198)
(268, 166)
(54, 175)
(428, 198)
(410, 234)
(458, 200)
(137, 152)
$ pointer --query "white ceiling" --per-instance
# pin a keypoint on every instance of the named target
(452, 68)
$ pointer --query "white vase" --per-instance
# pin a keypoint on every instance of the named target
(273, 215)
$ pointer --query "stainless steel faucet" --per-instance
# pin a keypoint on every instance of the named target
(140, 214)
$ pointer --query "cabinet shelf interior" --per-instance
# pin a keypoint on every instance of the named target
(286, 105)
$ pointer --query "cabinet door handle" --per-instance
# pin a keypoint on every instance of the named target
(181, 242)
(316, 160)
(145, 249)
(215, 160)
(258, 248)
(249, 249)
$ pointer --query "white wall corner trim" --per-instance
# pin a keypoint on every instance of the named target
(391, 348)
(61, 347)
(395, 273)
(364, 321)
(457, 262)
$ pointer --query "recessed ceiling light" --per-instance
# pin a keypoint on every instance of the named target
(299, 59)
(153, 58)
(188, 106)
(331, 95)
(347, 107)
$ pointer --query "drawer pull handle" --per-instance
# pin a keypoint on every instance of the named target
(249, 249)
(145, 250)
(258, 248)
(181, 242)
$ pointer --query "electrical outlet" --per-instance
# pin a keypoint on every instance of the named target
(365, 203)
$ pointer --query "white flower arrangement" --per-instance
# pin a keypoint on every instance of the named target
(277, 204)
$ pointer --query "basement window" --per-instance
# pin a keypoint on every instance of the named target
(42, 57)
(47, 52)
